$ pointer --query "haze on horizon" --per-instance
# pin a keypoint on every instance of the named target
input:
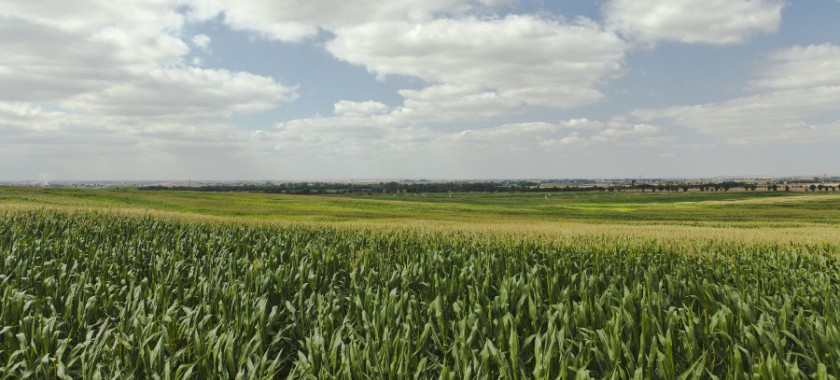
(291, 89)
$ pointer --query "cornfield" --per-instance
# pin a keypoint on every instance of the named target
(97, 295)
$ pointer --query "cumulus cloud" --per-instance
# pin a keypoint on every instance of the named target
(772, 116)
(450, 103)
(344, 135)
(526, 59)
(716, 22)
(37, 125)
(293, 20)
(366, 108)
(201, 41)
(517, 137)
(584, 124)
(58, 144)
(797, 101)
(45, 63)
(802, 67)
(111, 83)
(353, 134)
(616, 132)
(102, 89)
(454, 46)
(186, 92)
(119, 59)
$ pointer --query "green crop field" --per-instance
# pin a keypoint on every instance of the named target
(164, 284)
(742, 216)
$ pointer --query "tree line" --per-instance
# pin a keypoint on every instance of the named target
(393, 187)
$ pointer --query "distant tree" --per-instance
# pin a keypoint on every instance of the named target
(813, 187)
(787, 188)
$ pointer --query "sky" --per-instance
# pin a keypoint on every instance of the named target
(406, 89)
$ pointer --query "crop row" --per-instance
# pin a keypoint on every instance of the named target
(91, 295)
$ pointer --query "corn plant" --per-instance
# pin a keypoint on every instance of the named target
(96, 295)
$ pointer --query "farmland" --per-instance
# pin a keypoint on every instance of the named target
(742, 215)
(117, 284)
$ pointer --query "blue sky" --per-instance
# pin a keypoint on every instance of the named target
(286, 89)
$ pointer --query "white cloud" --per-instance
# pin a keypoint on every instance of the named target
(46, 63)
(341, 146)
(293, 20)
(93, 146)
(527, 59)
(112, 87)
(800, 91)
(119, 59)
(584, 124)
(572, 139)
(344, 135)
(54, 128)
(137, 32)
(622, 131)
(102, 89)
(357, 134)
(802, 67)
(201, 41)
(523, 137)
(476, 65)
(445, 102)
(772, 116)
(186, 92)
(366, 108)
(693, 21)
